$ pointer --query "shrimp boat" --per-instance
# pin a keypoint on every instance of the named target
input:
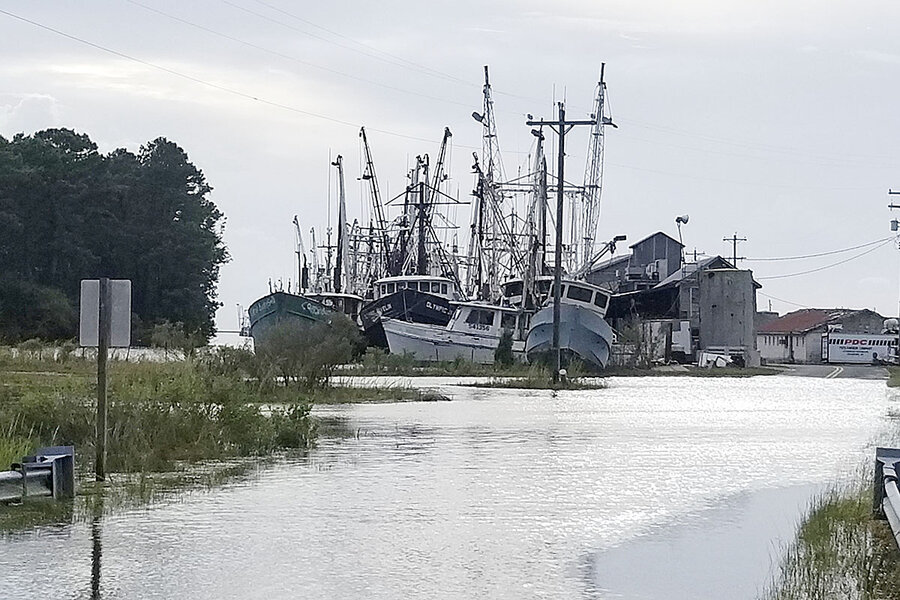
(415, 298)
(473, 333)
(278, 307)
(583, 333)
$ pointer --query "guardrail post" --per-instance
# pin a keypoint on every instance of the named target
(882, 456)
(49, 472)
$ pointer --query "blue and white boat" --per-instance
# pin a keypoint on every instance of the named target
(583, 333)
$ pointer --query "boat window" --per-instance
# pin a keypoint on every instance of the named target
(543, 285)
(424, 286)
(435, 287)
(480, 317)
(513, 288)
(601, 299)
(579, 293)
(508, 321)
(444, 289)
(390, 288)
(553, 290)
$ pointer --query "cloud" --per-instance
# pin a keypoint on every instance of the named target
(19, 112)
(878, 56)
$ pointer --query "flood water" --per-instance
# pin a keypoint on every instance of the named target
(652, 488)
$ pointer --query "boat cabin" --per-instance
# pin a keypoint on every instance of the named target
(349, 304)
(436, 286)
(489, 320)
(583, 294)
(513, 291)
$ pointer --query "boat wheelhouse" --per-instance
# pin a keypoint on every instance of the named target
(473, 333)
(349, 304)
(512, 292)
(424, 299)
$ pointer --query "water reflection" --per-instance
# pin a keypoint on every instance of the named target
(499, 494)
(96, 555)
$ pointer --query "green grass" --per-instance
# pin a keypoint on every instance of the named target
(159, 415)
(840, 552)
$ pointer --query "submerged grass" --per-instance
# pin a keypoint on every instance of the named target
(542, 382)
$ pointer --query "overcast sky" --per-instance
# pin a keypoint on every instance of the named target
(776, 120)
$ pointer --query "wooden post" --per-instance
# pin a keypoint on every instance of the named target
(102, 348)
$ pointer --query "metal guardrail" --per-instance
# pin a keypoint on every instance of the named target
(48, 472)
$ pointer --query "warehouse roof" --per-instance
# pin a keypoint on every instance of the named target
(806, 319)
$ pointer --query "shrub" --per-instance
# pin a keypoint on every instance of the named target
(308, 354)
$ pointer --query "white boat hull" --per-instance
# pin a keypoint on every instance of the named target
(436, 343)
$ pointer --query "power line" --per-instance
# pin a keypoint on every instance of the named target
(390, 61)
(294, 58)
(818, 254)
(210, 84)
(870, 250)
(417, 66)
(797, 304)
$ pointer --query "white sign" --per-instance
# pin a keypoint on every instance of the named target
(860, 348)
(120, 313)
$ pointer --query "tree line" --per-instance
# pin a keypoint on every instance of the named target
(68, 212)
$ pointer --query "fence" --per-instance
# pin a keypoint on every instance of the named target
(49, 472)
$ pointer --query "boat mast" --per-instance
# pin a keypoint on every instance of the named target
(491, 238)
(314, 253)
(303, 280)
(535, 222)
(593, 179)
(378, 209)
(340, 267)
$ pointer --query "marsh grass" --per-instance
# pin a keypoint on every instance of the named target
(379, 362)
(540, 382)
(893, 376)
(371, 394)
(159, 414)
(691, 371)
(840, 552)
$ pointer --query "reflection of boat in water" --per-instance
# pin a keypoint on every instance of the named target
(473, 333)
(281, 307)
(583, 334)
(413, 298)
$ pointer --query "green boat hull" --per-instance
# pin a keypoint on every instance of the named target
(278, 308)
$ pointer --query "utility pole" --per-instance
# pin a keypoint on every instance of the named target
(561, 128)
(734, 240)
(894, 227)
